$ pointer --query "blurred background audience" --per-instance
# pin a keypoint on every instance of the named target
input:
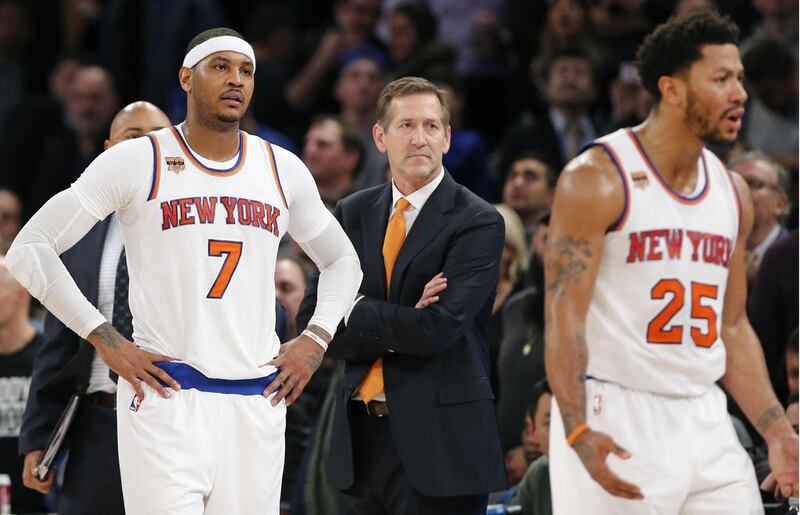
(530, 83)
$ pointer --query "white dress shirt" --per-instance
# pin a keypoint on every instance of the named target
(767, 242)
(99, 381)
(417, 200)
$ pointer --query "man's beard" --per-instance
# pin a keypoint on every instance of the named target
(214, 118)
(698, 118)
(226, 118)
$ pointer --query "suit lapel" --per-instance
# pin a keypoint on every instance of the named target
(426, 227)
(374, 222)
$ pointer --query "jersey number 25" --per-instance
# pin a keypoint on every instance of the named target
(657, 330)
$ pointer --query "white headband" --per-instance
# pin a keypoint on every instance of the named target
(219, 44)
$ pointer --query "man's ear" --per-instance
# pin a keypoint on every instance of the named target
(377, 136)
(673, 90)
(782, 206)
(185, 78)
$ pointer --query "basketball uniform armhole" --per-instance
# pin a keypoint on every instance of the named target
(156, 167)
(275, 174)
(623, 217)
(736, 196)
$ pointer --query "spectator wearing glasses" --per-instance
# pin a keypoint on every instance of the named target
(769, 183)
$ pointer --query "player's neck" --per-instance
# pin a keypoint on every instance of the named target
(219, 142)
(673, 148)
(15, 335)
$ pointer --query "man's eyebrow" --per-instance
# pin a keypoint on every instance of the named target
(245, 61)
(728, 69)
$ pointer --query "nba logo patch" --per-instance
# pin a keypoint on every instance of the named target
(597, 404)
(175, 164)
(135, 403)
(640, 179)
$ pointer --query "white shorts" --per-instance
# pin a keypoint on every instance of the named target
(685, 456)
(200, 453)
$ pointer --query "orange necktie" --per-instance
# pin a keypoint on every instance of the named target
(372, 384)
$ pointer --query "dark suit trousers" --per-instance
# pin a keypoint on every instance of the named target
(91, 480)
(380, 485)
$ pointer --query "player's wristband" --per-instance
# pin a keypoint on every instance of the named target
(317, 338)
(577, 432)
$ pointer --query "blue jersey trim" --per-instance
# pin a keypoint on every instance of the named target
(189, 377)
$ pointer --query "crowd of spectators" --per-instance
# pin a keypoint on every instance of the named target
(530, 82)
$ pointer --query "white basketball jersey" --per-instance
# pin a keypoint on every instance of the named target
(201, 258)
(655, 318)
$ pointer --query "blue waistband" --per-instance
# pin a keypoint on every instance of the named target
(189, 377)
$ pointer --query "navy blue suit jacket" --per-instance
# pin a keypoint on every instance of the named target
(436, 360)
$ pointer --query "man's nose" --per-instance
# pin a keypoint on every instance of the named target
(418, 136)
(235, 78)
(739, 94)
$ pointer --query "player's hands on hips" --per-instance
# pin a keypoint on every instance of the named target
(130, 362)
(430, 295)
(592, 448)
(783, 462)
(29, 478)
(297, 361)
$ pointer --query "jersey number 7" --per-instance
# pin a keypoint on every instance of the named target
(232, 251)
(656, 329)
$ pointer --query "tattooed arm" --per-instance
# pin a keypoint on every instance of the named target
(589, 199)
(746, 377)
(130, 362)
(296, 363)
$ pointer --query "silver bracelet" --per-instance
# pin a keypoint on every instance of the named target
(317, 338)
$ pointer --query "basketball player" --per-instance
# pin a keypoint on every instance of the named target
(202, 206)
(645, 301)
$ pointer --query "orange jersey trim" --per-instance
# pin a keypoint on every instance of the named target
(275, 172)
(674, 194)
(156, 168)
(237, 166)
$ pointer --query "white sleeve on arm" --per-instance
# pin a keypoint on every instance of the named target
(65, 219)
(118, 180)
(308, 216)
(318, 233)
(339, 275)
(33, 260)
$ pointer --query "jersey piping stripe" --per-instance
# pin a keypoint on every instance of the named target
(623, 217)
(674, 194)
(156, 167)
(207, 169)
(275, 172)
